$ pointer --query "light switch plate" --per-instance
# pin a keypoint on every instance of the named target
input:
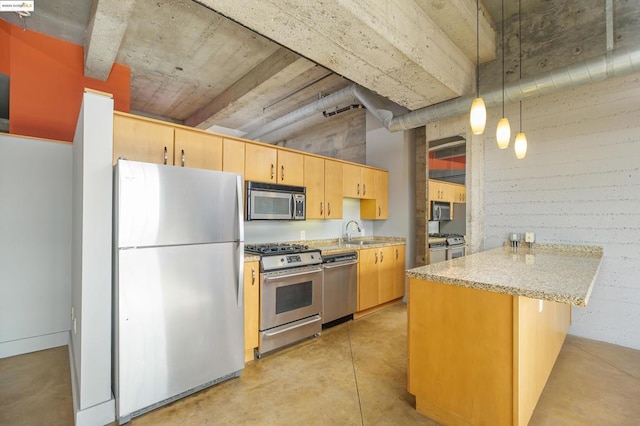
(303, 235)
(530, 237)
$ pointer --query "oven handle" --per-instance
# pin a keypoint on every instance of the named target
(278, 277)
(311, 320)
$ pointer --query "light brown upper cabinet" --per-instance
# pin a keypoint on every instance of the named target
(359, 182)
(323, 180)
(138, 139)
(333, 189)
(197, 149)
(459, 194)
(266, 164)
(314, 182)
(378, 208)
(233, 156)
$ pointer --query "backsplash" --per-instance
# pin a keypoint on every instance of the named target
(276, 231)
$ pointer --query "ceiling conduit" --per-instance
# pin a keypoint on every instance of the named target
(617, 63)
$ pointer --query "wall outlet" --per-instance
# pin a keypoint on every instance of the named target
(303, 235)
(73, 313)
(362, 232)
(75, 330)
(530, 237)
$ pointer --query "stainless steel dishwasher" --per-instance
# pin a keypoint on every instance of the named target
(339, 289)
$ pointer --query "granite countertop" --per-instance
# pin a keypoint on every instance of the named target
(558, 273)
(336, 245)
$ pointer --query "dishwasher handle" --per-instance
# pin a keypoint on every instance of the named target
(339, 264)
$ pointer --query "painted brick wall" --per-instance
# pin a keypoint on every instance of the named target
(579, 184)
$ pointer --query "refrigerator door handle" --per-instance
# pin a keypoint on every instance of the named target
(240, 242)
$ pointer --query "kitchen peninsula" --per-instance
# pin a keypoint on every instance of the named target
(485, 329)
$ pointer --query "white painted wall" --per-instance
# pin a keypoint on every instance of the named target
(395, 152)
(579, 184)
(35, 244)
(91, 261)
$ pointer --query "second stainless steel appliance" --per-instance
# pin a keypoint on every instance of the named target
(290, 294)
(178, 295)
(268, 201)
(340, 286)
(440, 210)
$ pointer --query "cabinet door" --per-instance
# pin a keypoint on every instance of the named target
(260, 163)
(368, 180)
(460, 194)
(351, 186)
(368, 279)
(447, 191)
(290, 168)
(435, 190)
(139, 139)
(386, 274)
(233, 156)
(399, 271)
(377, 209)
(333, 178)
(314, 182)
(251, 307)
(197, 149)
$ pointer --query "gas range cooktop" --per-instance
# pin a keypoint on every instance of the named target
(279, 257)
(437, 240)
(275, 249)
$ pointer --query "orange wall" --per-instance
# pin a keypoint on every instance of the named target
(4, 47)
(454, 163)
(47, 82)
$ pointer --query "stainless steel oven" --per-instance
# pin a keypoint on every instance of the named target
(290, 296)
(453, 252)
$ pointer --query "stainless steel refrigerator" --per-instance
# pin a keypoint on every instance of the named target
(178, 299)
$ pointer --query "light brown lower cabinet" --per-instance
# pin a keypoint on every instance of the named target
(380, 271)
(480, 357)
(251, 308)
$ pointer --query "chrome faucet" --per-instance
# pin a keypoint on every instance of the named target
(346, 229)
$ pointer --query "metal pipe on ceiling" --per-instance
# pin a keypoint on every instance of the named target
(617, 63)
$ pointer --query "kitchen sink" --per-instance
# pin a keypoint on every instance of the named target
(360, 243)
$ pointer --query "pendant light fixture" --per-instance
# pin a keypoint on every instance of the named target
(478, 114)
(503, 131)
(520, 144)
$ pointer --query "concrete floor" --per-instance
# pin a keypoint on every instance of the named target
(353, 374)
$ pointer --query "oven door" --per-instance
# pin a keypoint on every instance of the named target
(269, 205)
(453, 252)
(290, 295)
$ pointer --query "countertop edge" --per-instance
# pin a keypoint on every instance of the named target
(555, 296)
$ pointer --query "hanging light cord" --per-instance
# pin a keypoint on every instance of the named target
(520, 49)
(503, 58)
(477, 48)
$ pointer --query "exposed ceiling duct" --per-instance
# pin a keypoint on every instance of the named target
(617, 63)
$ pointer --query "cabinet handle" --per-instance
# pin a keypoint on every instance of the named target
(396, 254)
(376, 257)
(381, 257)
(182, 157)
(364, 189)
(166, 157)
(273, 171)
(328, 209)
(358, 191)
(282, 174)
(379, 211)
(321, 209)
(253, 275)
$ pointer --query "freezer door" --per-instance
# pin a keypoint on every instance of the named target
(180, 321)
(157, 205)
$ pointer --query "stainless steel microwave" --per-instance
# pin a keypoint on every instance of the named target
(440, 210)
(268, 201)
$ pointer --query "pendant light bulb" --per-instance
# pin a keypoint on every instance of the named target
(521, 145)
(478, 116)
(478, 113)
(503, 133)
